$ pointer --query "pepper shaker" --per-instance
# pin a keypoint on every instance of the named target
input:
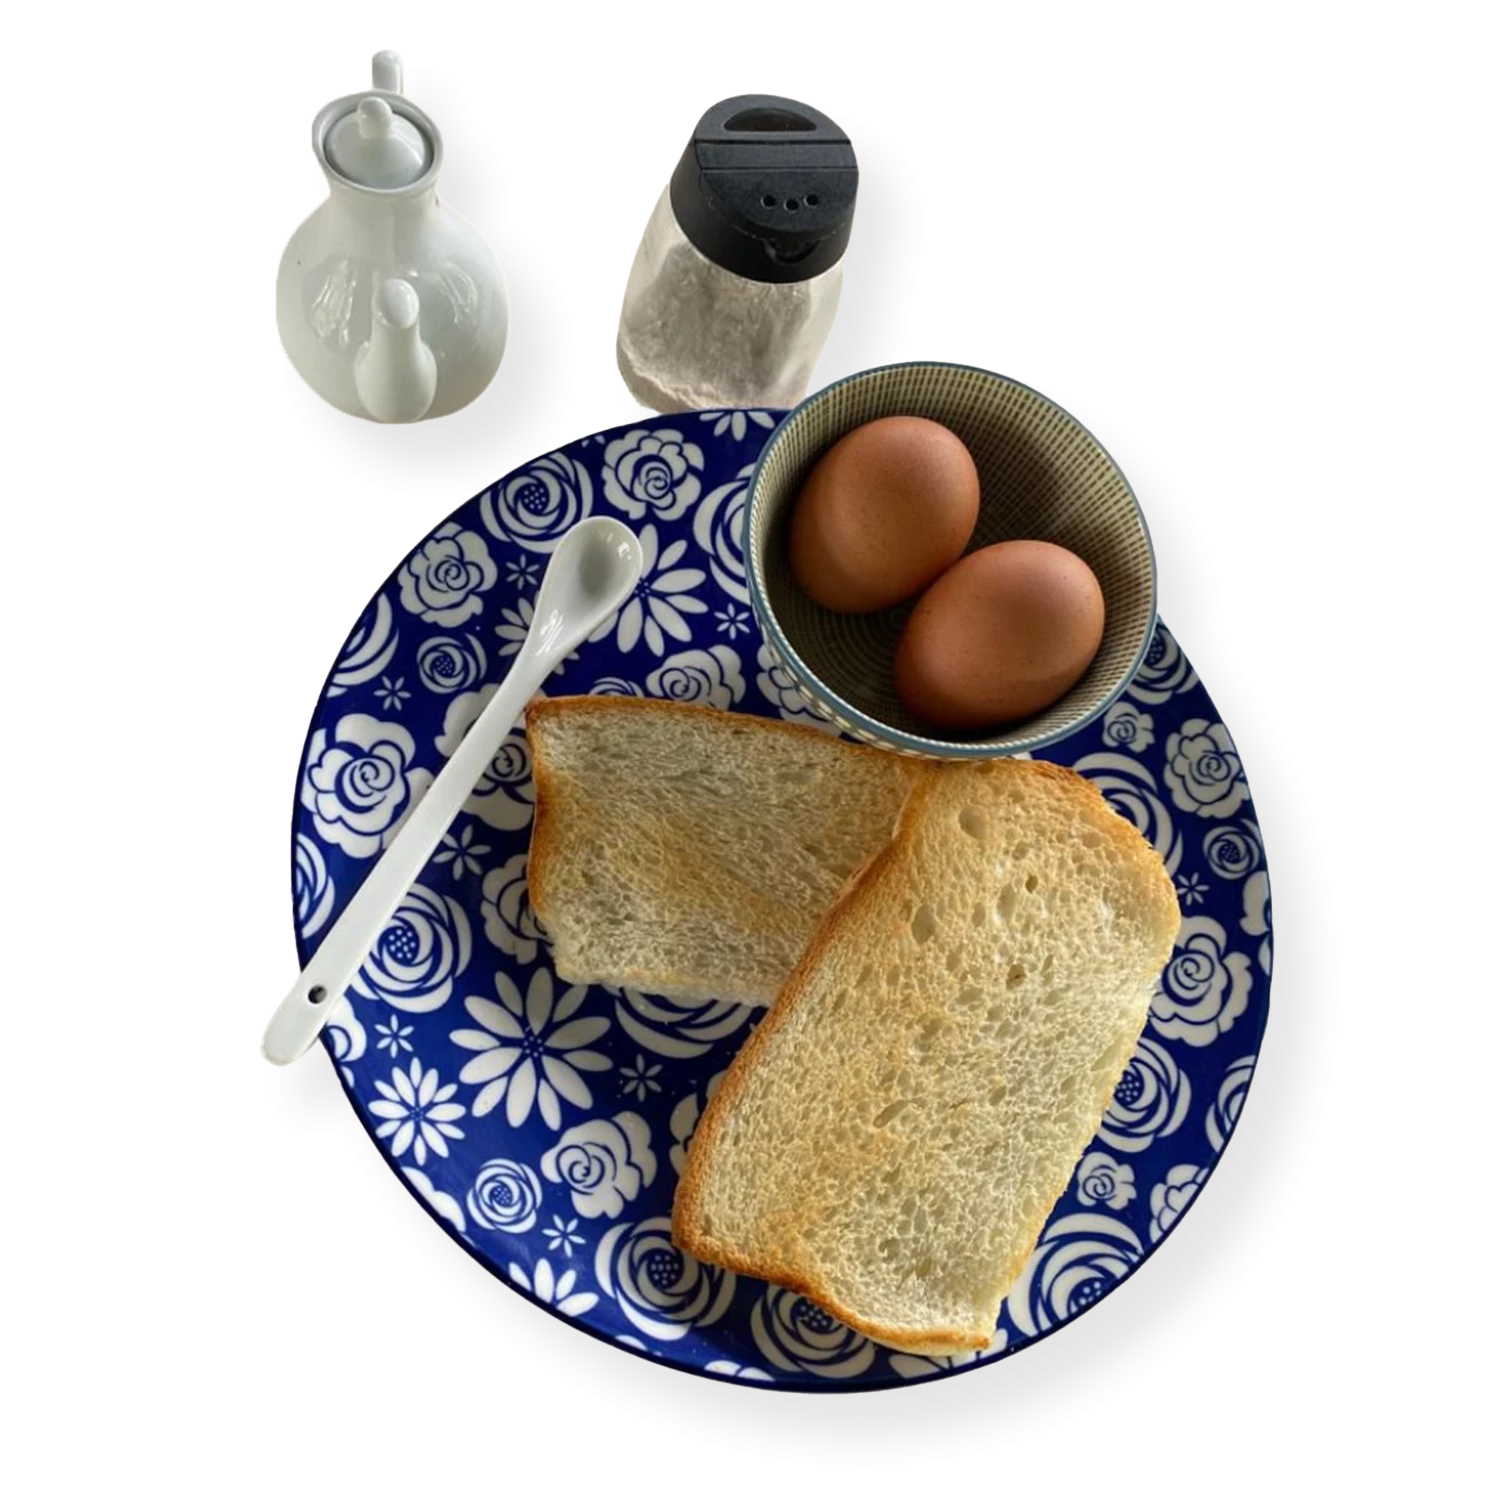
(737, 278)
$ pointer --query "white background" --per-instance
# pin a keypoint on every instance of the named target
(1253, 248)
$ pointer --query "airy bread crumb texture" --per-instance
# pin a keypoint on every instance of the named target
(692, 853)
(892, 1138)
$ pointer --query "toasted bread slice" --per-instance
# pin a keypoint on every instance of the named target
(893, 1136)
(692, 853)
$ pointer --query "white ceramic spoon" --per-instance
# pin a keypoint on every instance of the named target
(590, 575)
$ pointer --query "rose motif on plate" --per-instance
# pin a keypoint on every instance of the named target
(508, 919)
(537, 506)
(1078, 1259)
(1104, 1182)
(615, 687)
(653, 473)
(1203, 771)
(442, 581)
(1130, 788)
(1127, 727)
(662, 1290)
(676, 1028)
(312, 890)
(444, 1205)
(1150, 1101)
(711, 676)
(346, 1037)
(1204, 989)
(1256, 921)
(779, 689)
(684, 1120)
(795, 1334)
(420, 954)
(604, 1164)
(1164, 672)
(1219, 1123)
(451, 663)
(360, 783)
(504, 795)
(717, 526)
(505, 1196)
(1171, 1197)
(1233, 851)
(368, 652)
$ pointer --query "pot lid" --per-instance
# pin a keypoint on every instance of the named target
(375, 147)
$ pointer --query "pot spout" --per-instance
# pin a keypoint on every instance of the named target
(395, 372)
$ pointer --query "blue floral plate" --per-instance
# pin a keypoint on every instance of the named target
(543, 1125)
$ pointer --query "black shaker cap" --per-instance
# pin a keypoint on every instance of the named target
(766, 188)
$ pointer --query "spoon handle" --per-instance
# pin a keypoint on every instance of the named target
(301, 1016)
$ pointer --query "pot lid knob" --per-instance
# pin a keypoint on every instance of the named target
(375, 147)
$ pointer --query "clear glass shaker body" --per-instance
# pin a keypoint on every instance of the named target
(695, 335)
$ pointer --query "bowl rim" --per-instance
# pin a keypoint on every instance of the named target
(862, 722)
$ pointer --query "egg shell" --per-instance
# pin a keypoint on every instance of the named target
(1000, 636)
(883, 512)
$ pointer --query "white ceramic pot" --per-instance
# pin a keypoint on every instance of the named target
(389, 304)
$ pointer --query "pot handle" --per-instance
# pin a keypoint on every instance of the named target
(385, 72)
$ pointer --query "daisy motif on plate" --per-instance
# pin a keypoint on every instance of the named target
(662, 599)
(531, 1052)
(417, 1112)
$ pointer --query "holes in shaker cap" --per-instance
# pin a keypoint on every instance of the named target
(769, 201)
(811, 200)
(792, 205)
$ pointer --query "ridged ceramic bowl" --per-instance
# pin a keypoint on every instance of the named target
(1042, 476)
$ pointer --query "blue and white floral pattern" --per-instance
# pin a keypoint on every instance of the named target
(1078, 1259)
(798, 1336)
(451, 663)
(1203, 770)
(717, 525)
(420, 955)
(603, 1164)
(504, 795)
(312, 890)
(666, 596)
(1127, 726)
(444, 578)
(661, 1290)
(545, 1123)
(1104, 1182)
(552, 1290)
(1171, 1196)
(1219, 1123)
(509, 922)
(416, 1110)
(1204, 988)
(360, 783)
(652, 473)
(537, 506)
(1151, 1100)
(505, 1196)
(711, 676)
(531, 1051)
(368, 650)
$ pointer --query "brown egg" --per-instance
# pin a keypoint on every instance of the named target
(1000, 636)
(883, 512)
